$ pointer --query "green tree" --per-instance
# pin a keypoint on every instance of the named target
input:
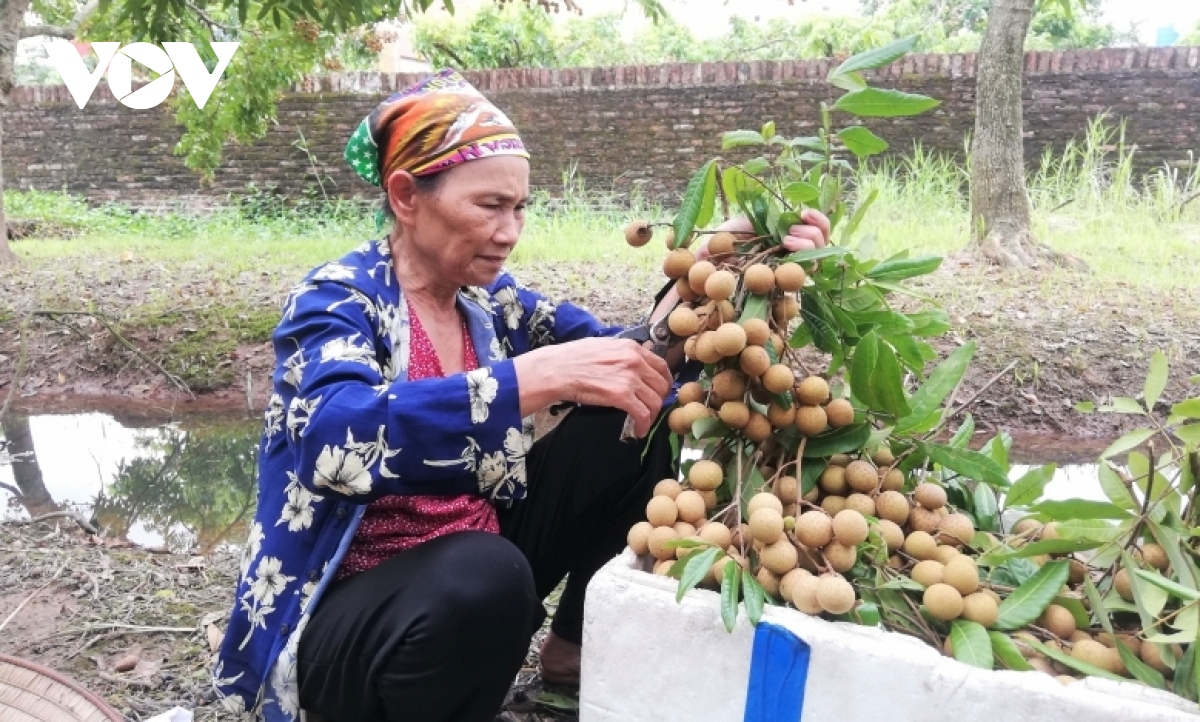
(1192, 38)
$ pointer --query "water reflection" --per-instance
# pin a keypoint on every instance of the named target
(185, 486)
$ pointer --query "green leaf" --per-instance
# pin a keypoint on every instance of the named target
(757, 306)
(696, 209)
(800, 194)
(710, 428)
(1079, 509)
(903, 583)
(1028, 601)
(757, 166)
(768, 130)
(1187, 673)
(1114, 488)
(730, 587)
(815, 254)
(1189, 434)
(1171, 587)
(972, 645)
(1077, 610)
(1046, 546)
(1131, 440)
(971, 464)
(556, 701)
(1097, 530)
(933, 322)
(941, 382)
(1069, 661)
(986, 512)
(963, 435)
(1189, 408)
(755, 597)
(1008, 653)
(880, 103)
(860, 212)
(697, 567)
(875, 376)
(903, 268)
(866, 614)
(862, 142)
(738, 138)
(838, 441)
(1150, 600)
(875, 57)
(1085, 407)
(1028, 489)
(1123, 405)
(1156, 380)
(848, 81)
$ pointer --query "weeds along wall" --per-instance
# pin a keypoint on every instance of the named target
(641, 127)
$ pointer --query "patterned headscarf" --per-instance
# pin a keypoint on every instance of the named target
(436, 124)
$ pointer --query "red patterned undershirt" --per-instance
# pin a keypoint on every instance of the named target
(392, 523)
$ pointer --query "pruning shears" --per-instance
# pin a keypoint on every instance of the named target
(661, 340)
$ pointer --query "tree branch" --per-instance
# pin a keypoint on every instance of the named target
(68, 31)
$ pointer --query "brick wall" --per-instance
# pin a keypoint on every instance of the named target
(649, 125)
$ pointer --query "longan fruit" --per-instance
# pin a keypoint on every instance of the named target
(678, 264)
(810, 420)
(638, 233)
(861, 476)
(758, 428)
(943, 602)
(833, 503)
(663, 568)
(768, 581)
(1123, 585)
(734, 413)
(945, 553)
(1155, 556)
(930, 495)
(893, 480)
(1078, 572)
(962, 574)
(883, 457)
(706, 475)
(1092, 652)
(766, 525)
(789, 580)
(928, 572)
(787, 488)
(710, 500)
(834, 594)
(698, 275)
(840, 557)
(638, 537)
(850, 528)
(758, 332)
(669, 237)
(842, 460)
(686, 294)
(720, 285)
(1058, 620)
(729, 339)
(729, 385)
(684, 529)
(722, 243)
(892, 505)
(690, 505)
(981, 608)
(668, 487)
(758, 278)
(658, 540)
(861, 503)
(790, 277)
(1151, 654)
(780, 557)
(812, 391)
(776, 341)
(689, 392)
(681, 552)
(683, 321)
(723, 312)
(893, 535)
(754, 361)
(780, 417)
(784, 310)
(840, 413)
(956, 529)
(814, 529)
(920, 545)
(661, 511)
(778, 378)
(706, 350)
(1027, 527)
(717, 534)
(763, 499)
(833, 480)
(804, 595)
(1050, 531)
(922, 519)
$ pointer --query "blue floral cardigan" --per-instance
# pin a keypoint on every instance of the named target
(342, 428)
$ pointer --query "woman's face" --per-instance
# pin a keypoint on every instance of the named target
(469, 224)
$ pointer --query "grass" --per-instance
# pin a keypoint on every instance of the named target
(1088, 202)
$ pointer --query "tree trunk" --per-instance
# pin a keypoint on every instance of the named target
(1001, 229)
(25, 468)
(12, 17)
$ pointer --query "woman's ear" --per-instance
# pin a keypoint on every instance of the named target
(402, 194)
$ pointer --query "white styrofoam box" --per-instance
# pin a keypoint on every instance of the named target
(648, 659)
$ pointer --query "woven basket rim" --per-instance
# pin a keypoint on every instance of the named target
(71, 685)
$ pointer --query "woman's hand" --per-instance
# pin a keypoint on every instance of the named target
(813, 233)
(617, 373)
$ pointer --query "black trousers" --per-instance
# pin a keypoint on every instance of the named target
(438, 632)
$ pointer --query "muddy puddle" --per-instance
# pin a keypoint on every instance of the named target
(189, 486)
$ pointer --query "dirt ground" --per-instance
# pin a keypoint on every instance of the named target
(1045, 343)
(139, 628)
